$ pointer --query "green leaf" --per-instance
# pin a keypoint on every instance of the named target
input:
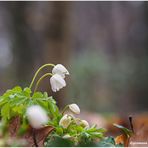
(44, 104)
(57, 141)
(5, 111)
(96, 134)
(45, 94)
(79, 128)
(94, 129)
(17, 89)
(27, 91)
(37, 95)
(59, 130)
(23, 127)
(12, 91)
(124, 129)
(52, 100)
(107, 142)
(2, 101)
(86, 143)
(19, 110)
(53, 108)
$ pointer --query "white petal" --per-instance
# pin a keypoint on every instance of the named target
(53, 84)
(57, 82)
(61, 70)
(37, 116)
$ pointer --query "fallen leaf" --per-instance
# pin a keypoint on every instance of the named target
(40, 134)
(140, 137)
(122, 139)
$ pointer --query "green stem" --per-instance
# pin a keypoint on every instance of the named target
(41, 78)
(65, 108)
(45, 65)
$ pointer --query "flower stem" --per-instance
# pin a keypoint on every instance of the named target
(65, 108)
(41, 78)
(45, 65)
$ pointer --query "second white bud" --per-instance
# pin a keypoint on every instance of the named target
(85, 123)
(74, 108)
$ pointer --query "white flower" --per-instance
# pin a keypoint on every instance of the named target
(67, 136)
(74, 108)
(85, 123)
(65, 121)
(57, 82)
(37, 116)
(60, 69)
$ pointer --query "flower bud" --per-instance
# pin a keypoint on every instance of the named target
(74, 108)
(85, 123)
(65, 121)
(37, 116)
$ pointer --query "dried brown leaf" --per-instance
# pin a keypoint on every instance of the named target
(40, 134)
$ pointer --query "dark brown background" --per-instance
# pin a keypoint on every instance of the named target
(104, 45)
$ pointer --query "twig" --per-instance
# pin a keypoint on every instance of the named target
(34, 138)
(131, 123)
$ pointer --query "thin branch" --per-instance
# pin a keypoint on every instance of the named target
(131, 123)
(34, 138)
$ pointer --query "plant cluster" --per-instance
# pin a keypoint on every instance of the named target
(37, 110)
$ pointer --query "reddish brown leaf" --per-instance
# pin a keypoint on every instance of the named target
(40, 134)
(14, 126)
(140, 137)
(122, 139)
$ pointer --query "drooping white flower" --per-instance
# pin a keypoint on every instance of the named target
(85, 123)
(57, 82)
(60, 69)
(37, 116)
(74, 108)
(65, 121)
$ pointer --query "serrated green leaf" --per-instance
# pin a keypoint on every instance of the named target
(5, 111)
(53, 109)
(19, 110)
(2, 101)
(52, 100)
(17, 89)
(45, 94)
(27, 91)
(37, 95)
(57, 141)
(59, 130)
(79, 128)
(93, 129)
(107, 142)
(44, 104)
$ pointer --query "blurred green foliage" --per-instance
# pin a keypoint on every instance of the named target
(103, 82)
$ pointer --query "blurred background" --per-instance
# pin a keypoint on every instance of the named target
(104, 45)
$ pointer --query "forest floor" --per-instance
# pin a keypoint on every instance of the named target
(139, 120)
